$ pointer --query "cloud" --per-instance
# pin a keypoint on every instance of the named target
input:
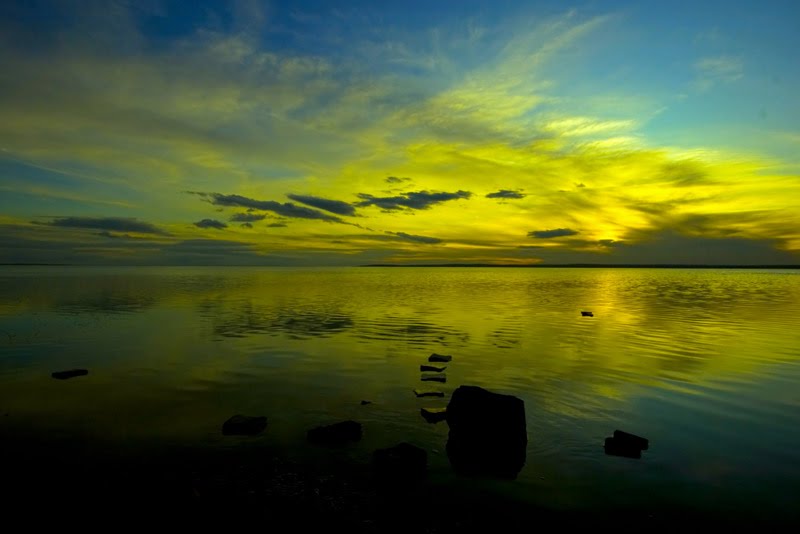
(287, 209)
(507, 193)
(719, 69)
(211, 223)
(416, 238)
(396, 180)
(113, 224)
(333, 206)
(247, 217)
(548, 234)
(246, 225)
(583, 126)
(277, 225)
(419, 200)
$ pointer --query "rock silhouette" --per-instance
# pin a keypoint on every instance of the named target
(71, 373)
(613, 447)
(244, 425)
(441, 358)
(434, 368)
(428, 393)
(336, 434)
(487, 433)
(587, 314)
(436, 377)
(631, 440)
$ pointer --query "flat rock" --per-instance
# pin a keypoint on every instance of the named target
(434, 377)
(488, 434)
(613, 447)
(434, 368)
(442, 358)
(587, 314)
(335, 434)
(400, 464)
(70, 373)
(244, 425)
(631, 440)
(434, 415)
(428, 393)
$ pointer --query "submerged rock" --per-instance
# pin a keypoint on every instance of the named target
(443, 358)
(428, 393)
(244, 425)
(614, 447)
(631, 440)
(487, 433)
(437, 377)
(434, 415)
(365, 402)
(71, 373)
(587, 314)
(400, 464)
(335, 434)
(434, 368)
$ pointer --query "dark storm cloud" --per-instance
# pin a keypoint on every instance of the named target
(247, 217)
(418, 200)
(416, 238)
(286, 209)
(211, 223)
(548, 234)
(112, 224)
(507, 193)
(334, 206)
(396, 180)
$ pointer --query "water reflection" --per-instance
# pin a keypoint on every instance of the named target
(710, 354)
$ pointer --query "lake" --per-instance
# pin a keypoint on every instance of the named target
(704, 363)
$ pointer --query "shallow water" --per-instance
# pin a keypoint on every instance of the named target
(705, 363)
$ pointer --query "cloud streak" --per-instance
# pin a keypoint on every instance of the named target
(507, 194)
(419, 200)
(284, 209)
(550, 234)
(111, 224)
(333, 206)
(211, 223)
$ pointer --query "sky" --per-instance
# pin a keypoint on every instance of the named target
(312, 133)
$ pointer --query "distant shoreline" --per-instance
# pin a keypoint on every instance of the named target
(589, 266)
(484, 265)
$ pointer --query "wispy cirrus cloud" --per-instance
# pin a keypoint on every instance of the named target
(711, 71)
(416, 238)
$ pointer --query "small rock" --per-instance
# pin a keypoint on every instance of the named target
(402, 463)
(434, 368)
(434, 415)
(616, 448)
(71, 373)
(244, 425)
(335, 434)
(365, 402)
(428, 393)
(587, 314)
(631, 440)
(439, 377)
(442, 358)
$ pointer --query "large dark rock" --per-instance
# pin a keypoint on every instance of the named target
(487, 433)
(434, 368)
(587, 314)
(244, 425)
(335, 434)
(71, 373)
(400, 464)
(441, 358)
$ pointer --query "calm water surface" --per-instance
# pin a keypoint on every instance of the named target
(705, 363)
